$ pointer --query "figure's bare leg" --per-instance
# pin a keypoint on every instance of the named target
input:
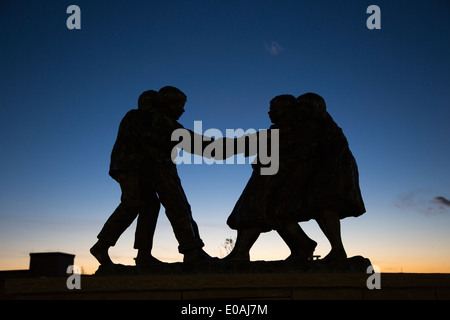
(100, 251)
(301, 246)
(330, 224)
(145, 230)
(246, 238)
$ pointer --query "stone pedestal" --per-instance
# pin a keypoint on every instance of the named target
(256, 280)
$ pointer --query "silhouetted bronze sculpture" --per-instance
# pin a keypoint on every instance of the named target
(317, 179)
(141, 161)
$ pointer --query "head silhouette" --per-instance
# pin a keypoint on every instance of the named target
(281, 107)
(147, 100)
(172, 100)
(311, 106)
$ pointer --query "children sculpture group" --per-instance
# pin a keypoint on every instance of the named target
(312, 175)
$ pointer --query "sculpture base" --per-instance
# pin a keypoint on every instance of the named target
(356, 264)
(231, 287)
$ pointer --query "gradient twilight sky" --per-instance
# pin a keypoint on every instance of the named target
(63, 93)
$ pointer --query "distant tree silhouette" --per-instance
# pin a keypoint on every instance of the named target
(228, 246)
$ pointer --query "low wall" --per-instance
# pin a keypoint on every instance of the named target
(342, 286)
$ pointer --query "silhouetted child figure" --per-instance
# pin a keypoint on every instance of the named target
(129, 158)
(334, 191)
(262, 207)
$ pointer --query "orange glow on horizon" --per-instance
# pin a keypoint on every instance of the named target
(89, 266)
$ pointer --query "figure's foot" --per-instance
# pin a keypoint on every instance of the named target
(197, 255)
(237, 256)
(146, 259)
(304, 254)
(335, 255)
(100, 252)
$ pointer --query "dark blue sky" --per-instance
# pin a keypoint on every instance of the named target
(63, 93)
